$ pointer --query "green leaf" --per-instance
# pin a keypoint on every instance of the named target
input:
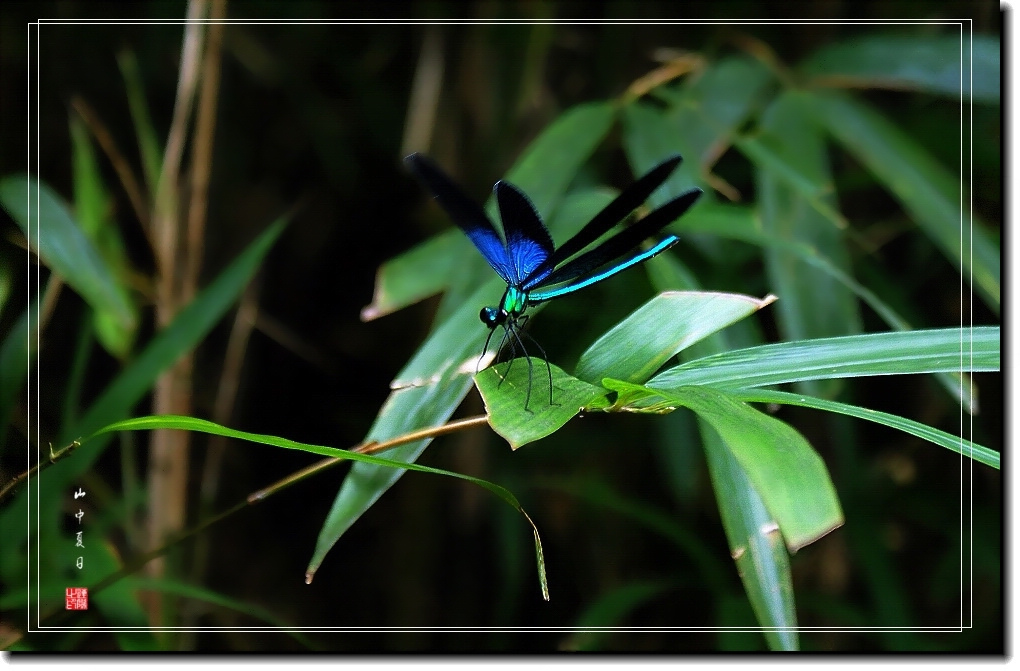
(957, 444)
(520, 419)
(702, 116)
(420, 272)
(789, 171)
(204, 426)
(92, 205)
(649, 136)
(739, 223)
(640, 344)
(551, 162)
(188, 328)
(425, 394)
(929, 193)
(891, 353)
(786, 472)
(755, 544)
(930, 63)
(55, 235)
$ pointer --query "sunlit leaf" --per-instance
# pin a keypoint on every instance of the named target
(640, 344)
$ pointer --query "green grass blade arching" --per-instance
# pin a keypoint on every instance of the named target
(204, 426)
(116, 401)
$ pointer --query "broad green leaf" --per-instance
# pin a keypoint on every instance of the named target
(927, 191)
(814, 304)
(92, 206)
(56, 237)
(891, 353)
(523, 417)
(762, 563)
(755, 543)
(957, 444)
(204, 426)
(425, 394)
(420, 272)
(786, 472)
(640, 344)
(940, 64)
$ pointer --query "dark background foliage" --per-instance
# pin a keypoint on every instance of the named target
(313, 116)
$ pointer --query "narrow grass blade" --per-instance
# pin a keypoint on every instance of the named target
(204, 426)
(928, 191)
(957, 444)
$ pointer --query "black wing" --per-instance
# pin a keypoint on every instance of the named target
(619, 244)
(611, 214)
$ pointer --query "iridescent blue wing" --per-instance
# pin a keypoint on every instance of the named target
(611, 214)
(528, 242)
(466, 213)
